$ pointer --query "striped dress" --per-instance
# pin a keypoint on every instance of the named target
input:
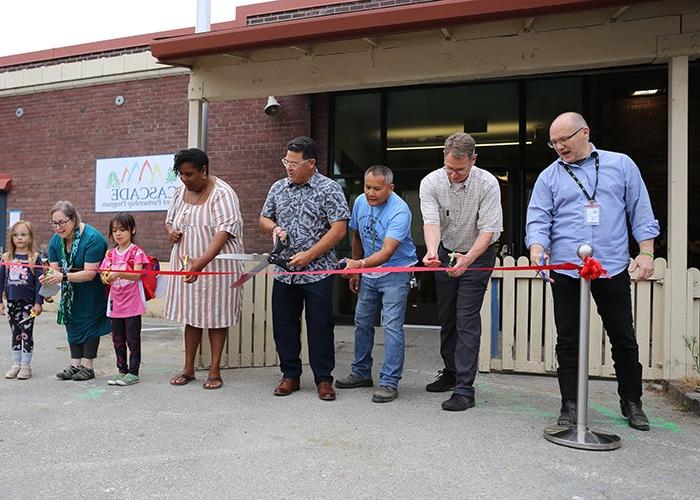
(209, 302)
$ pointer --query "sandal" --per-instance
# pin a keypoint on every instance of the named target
(83, 374)
(213, 383)
(181, 379)
(68, 373)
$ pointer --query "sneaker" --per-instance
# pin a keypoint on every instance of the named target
(384, 394)
(68, 373)
(12, 372)
(114, 381)
(445, 381)
(128, 379)
(458, 402)
(25, 372)
(84, 373)
(352, 381)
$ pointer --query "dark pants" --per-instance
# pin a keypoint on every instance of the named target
(86, 350)
(459, 308)
(127, 332)
(613, 300)
(287, 304)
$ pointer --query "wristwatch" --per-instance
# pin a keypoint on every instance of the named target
(65, 277)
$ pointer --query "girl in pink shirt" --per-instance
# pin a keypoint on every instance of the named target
(127, 301)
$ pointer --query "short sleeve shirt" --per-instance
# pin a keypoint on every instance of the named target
(306, 212)
(390, 220)
(126, 297)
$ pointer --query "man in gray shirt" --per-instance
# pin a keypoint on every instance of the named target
(462, 219)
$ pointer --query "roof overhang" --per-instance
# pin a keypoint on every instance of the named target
(182, 50)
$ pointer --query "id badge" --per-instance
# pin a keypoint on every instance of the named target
(592, 210)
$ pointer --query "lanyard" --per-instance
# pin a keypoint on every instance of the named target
(573, 176)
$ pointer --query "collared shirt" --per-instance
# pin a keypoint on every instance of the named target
(306, 212)
(463, 213)
(556, 213)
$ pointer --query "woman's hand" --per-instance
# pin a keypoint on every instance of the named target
(174, 235)
(195, 265)
(51, 278)
(37, 309)
(111, 277)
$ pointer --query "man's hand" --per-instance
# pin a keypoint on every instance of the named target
(431, 260)
(280, 233)
(537, 257)
(461, 264)
(300, 259)
(645, 265)
(354, 283)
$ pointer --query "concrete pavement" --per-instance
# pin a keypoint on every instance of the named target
(152, 440)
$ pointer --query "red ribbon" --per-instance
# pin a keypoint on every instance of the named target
(592, 269)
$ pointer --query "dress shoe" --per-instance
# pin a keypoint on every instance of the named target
(458, 402)
(325, 391)
(287, 386)
(567, 416)
(445, 381)
(635, 415)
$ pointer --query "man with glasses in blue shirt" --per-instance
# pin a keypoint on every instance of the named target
(589, 195)
(381, 221)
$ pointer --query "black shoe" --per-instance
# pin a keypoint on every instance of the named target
(567, 417)
(445, 381)
(458, 402)
(635, 415)
(68, 373)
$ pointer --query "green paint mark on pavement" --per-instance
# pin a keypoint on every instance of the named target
(94, 393)
(619, 420)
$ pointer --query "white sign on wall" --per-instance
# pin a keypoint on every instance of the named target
(134, 184)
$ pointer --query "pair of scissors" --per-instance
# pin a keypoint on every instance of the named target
(264, 259)
(31, 316)
(541, 273)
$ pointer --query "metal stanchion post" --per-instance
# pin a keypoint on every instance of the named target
(581, 436)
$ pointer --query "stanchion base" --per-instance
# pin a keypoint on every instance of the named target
(591, 440)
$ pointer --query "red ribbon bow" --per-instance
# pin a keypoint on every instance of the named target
(591, 269)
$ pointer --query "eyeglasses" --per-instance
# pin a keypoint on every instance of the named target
(560, 142)
(456, 171)
(292, 164)
(58, 223)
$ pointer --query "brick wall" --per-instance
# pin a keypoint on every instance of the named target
(50, 151)
(326, 10)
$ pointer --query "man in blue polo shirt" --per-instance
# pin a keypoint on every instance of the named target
(381, 223)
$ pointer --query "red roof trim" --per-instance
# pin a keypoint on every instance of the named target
(408, 17)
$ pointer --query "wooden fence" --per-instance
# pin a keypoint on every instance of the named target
(518, 333)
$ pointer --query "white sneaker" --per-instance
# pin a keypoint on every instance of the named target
(12, 372)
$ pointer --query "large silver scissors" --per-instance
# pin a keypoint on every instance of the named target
(264, 259)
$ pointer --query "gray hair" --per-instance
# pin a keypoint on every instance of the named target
(460, 145)
(68, 209)
(381, 170)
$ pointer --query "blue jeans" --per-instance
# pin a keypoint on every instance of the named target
(388, 293)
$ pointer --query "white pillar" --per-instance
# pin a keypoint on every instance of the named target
(676, 286)
(195, 124)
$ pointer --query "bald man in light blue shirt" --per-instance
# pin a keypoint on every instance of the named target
(591, 196)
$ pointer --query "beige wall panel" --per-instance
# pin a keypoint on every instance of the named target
(31, 77)
(91, 68)
(50, 74)
(113, 65)
(136, 62)
(600, 46)
(71, 71)
(13, 79)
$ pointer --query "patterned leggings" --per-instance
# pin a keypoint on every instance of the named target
(22, 335)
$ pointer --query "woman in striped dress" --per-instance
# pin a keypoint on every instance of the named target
(203, 220)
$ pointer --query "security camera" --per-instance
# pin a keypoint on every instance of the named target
(273, 107)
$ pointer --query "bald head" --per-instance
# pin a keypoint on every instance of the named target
(569, 134)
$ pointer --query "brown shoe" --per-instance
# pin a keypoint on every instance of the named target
(325, 391)
(287, 386)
